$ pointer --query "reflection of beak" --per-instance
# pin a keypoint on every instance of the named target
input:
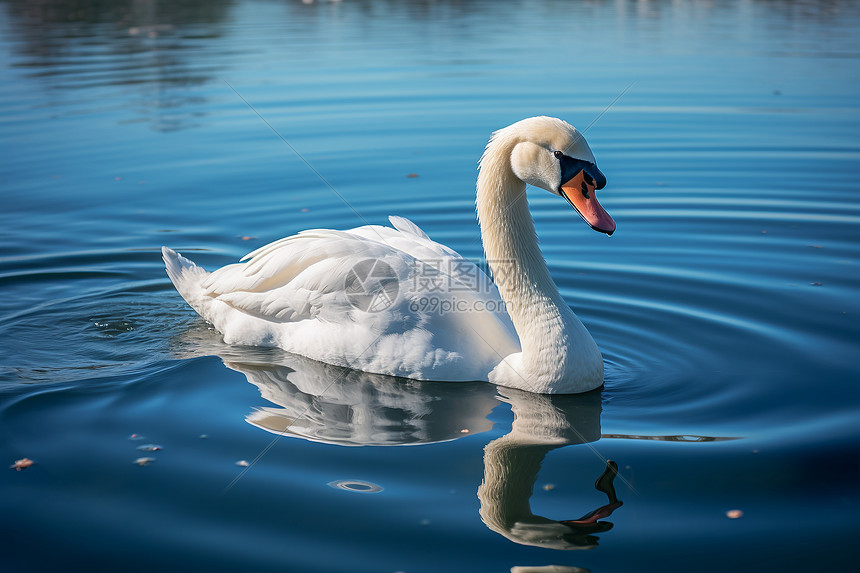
(579, 192)
(589, 523)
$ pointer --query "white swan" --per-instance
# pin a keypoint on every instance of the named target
(392, 301)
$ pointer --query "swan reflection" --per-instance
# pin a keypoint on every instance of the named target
(541, 424)
(332, 405)
(323, 403)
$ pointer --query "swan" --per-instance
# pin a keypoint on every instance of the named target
(390, 300)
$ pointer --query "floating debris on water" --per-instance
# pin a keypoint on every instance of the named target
(149, 448)
(114, 326)
(21, 464)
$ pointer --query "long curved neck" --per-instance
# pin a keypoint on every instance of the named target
(540, 315)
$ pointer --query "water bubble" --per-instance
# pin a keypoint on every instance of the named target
(356, 486)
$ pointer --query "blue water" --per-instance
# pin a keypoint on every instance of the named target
(726, 305)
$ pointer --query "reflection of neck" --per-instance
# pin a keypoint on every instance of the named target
(510, 472)
(512, 462)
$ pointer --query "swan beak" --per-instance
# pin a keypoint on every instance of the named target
(579, 192)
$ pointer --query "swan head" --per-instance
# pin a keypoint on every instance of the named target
(553, 155)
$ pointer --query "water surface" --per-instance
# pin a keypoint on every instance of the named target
(725, 304)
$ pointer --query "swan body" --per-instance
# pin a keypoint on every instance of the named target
(390, 300)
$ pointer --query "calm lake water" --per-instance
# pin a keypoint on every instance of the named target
(726, 305)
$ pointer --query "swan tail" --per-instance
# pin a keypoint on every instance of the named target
(187, 277)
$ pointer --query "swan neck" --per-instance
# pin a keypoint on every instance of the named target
(558, 354)
(513, 252)
(510, 472)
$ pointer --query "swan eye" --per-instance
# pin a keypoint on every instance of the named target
(558, 154)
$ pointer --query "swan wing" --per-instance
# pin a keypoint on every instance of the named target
(437, 269)
(406, 226)
(443, 318)
(298, 278)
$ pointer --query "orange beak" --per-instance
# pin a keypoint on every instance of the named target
(580, 194)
